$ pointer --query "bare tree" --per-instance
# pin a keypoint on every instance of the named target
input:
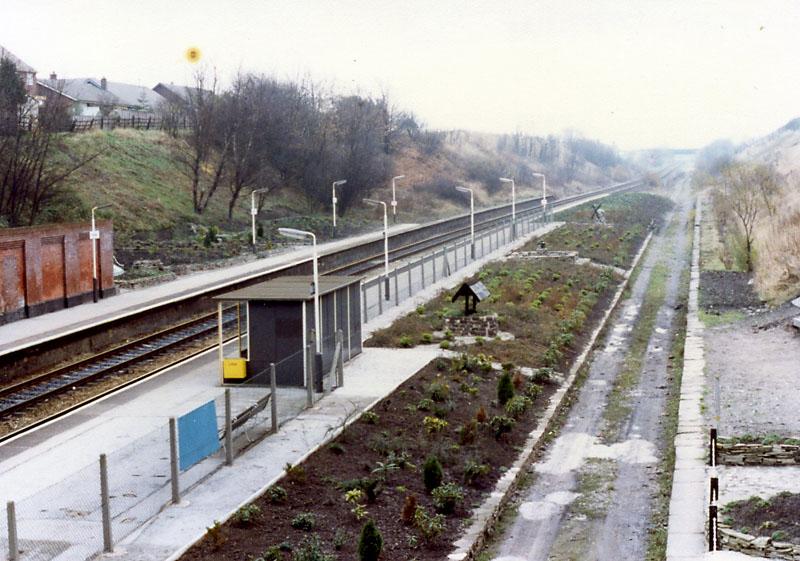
(206, 147)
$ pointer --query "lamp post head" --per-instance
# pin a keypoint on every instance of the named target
(506, 180)
(398, 177)
(340, 182)
(295, 234)
(463, 189)
(373, 202)
(99, 207)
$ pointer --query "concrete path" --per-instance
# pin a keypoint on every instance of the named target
(592, 492)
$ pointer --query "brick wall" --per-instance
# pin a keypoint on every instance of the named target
(46, 268)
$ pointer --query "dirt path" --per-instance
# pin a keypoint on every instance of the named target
(592, 493)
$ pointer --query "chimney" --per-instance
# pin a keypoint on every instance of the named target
(103, 83)
(53, 76)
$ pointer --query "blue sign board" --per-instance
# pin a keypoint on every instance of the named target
(197, 435)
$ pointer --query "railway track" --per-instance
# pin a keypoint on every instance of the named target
(22, 396)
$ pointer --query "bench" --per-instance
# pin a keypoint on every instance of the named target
(796, 323)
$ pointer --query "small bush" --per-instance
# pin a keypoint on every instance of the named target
(370, 543)
(305, 521)
(446, 497)
(429, 526)
(468, 433)
(247, 514)
(426, 338)
(473, 471)
(295, 474)
(505, 388)
(310, 549)
(518, 380)
(370, 417)
(340, 539)
(517, 405)
(277, 494)
(425, 404)
(434, 424)
(421, 310)
(501, 425)
(336, 448)
(438, 390)
(216, 535)
(405, 342)
(533, 390)
(481, 416)
(432, 473)
(444, 345)
(409, 508)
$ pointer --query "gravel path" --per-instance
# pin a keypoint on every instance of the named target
(592, 500)
(754, 372)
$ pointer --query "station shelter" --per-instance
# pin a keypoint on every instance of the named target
(279, 319)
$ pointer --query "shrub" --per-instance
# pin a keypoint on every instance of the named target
(406, 342)
(434, 424)
(304, 521)
(429, 526)
(533, 390)
(340, 539)
(518, 380)
(425, 404)
(542, 375)
(426, 338)
(370, 417)
(446, 497)
(438, 390)
(370, 543)
(468, 432)
(310, 549)
(444, 345)
(501, 425)
(211, 236)
(277, 494)
(517, 405)
(216, 535)
(505, 388)
(473, 471)
(409, 507)
(247, 514)
(432, 473)
(481, 415)
(295, 474)
(420, 310)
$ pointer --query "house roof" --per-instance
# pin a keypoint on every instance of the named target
(181, 92)
(21, 65)
(116, 93)
(289, 288)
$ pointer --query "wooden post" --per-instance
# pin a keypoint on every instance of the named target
(173, 460)
(396, 289)
(273, 385)
(220, 350)
(105, 504)
(13, 544)
(228, 429)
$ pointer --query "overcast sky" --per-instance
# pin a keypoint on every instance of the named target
(633, 73)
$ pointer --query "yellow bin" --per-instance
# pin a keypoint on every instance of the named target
(234, 368)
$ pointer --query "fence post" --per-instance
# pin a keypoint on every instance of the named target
(410, 292)
(714, 490)
(446, 263)
(173, 460)
(105, 505)
(433, 262)
(712, 442)
(396, 289)
(13, 546)
(483, 251)
(380, 298)
(422, 270)
(340, 364)
(228, 429)
(273, 385)
(712, 528)
(310, 374)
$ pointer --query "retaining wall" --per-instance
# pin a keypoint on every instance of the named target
(742, 454)
(46, 268)
(757, 546)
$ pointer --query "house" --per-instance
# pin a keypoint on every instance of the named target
(91, 96)
(178, 95)
(25, 70)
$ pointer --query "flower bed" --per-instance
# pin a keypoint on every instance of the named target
(776, 519)
(416, 464)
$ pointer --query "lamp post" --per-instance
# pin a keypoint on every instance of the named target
(394, 199)
(94, 236)
(513, 207)
(254, 212)
(544, 193)
(471, 217)
(385, 242)
(334, 200)
(300, 235)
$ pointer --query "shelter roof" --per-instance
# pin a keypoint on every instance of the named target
(288, 288)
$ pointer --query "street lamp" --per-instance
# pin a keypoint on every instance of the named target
(301, 235)
(394, 199)
(254, 211)
(544, 192)
(94, 235)
(471, 217)
(385, 242)
(334, 200)
(513, 207)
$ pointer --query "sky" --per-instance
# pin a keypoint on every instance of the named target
(636, 74)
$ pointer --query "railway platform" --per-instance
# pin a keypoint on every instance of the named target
(51, 472)
(40, 329)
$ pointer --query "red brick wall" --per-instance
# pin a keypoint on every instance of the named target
(45, 268)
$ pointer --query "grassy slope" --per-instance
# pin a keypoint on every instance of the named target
(138, 173)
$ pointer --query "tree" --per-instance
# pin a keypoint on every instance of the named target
(12, 97)
(743, 191)
(206, 147)
(370, 543)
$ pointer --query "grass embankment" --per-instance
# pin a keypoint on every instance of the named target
(544, 304)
